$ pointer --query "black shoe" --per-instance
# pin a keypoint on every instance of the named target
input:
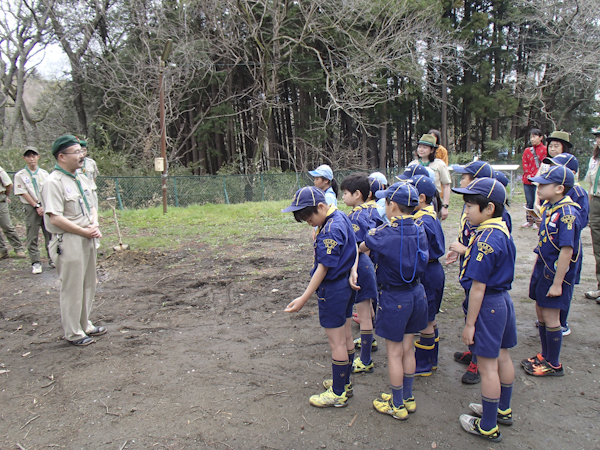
(82, 342)
(463, 357)
(471, 376)
(98, 331)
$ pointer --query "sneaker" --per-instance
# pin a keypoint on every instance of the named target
(387, 407)
(532, 361)
(566, 330)
(463, 357)
(373, 344)
(355, 318)
(526, 225)
(545, 369)
(471, 425)
(534, 226)
(504, 417)
(471, 376)
(349, 389)
(329, 398)
(358, 366)
(51, 264)
(410, 404)
(592, 295)
(36, 268)
(20, 254)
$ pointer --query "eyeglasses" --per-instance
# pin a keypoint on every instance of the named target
(78, 152)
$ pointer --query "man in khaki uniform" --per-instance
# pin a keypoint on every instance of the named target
(6, 186)
(28, 186)
(71, 217)
(90, 169)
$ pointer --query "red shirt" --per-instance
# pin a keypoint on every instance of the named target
(530, 167)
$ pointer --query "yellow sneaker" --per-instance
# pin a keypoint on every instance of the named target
(410, 404)
(348, 388)
(329, 398)
(358, 366)
(387, 407)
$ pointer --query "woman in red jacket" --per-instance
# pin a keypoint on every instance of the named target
(532, 159)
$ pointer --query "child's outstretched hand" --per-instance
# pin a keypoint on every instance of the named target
(296, 305)
(451, 257)
(458, 248)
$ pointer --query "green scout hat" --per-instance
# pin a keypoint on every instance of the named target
(595, 131)
(64, 142)
(82, 142)
(30, 149)
(560, 136)
(428, 139)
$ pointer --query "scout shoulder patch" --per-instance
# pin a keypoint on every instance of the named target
(484, 249)
(330, 245)
(569, 219)
(355, 227)
(372, 231)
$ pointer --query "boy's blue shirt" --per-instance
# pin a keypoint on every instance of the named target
(330, 197)
(398, 244)
(490, 257)
(362, 220)
(335, 245)
(580, 196)
(433, 229)
(507, 219)
(560, 227)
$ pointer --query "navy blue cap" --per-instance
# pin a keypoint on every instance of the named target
(557, 175)
(501, 177)
(564, 159)
(307, 196)
(401, 193)
(424, 185)
(478, 169)
(412, 170)
(323, 171)
(376, 184)
(488, 187)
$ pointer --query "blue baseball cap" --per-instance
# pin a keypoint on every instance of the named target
(424, 185)
(401, 193)
(564, 159)
(488, 187)
(478, 169)
(501, 177)
(307, 196)
(322, 171)
(381, 177)
(413, 170)
(557, 175)
(376, 185)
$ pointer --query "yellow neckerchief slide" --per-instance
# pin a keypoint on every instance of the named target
(545, 233)
(427, 211)
(484, 249)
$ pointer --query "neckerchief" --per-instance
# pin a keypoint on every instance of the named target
(35, 186)
(424, 163)
(427, 211)
(57, 167)
(491, 224)
(566, 200)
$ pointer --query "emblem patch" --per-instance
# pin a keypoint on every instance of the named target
(330, 244)
(372, 232)
(484, 248)
(569, 220)
(355, 227)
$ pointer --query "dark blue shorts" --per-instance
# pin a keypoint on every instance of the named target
(335, 302)
(433, 281)
(496, 325)
(366, 280)
(401, 312)
(541, 280)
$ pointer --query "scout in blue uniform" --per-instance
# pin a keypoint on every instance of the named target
(555, 270)
(486, 274)
(427, 347)
(470, 172)
(579, 196)
(335, 255)
(355, 192)
(324, 180)
(502, 178)
(400, 250)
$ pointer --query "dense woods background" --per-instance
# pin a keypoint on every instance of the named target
(257, 86)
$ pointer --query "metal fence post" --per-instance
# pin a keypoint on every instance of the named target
(262, 187)
(225, 190)
(118, 193)
(175, 189)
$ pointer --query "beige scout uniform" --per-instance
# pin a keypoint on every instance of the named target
(593, 178)
(28, 182)
(440, 170)
(5, 222)
(74, 255)
(90, 170)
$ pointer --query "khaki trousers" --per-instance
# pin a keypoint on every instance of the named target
(9, 230)
(76, 265)
(34, 222)
(594, 225)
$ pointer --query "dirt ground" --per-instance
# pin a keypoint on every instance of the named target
(200, 355)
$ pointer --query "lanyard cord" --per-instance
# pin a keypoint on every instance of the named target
(87, 205)
(419, 253)
(35, 186)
